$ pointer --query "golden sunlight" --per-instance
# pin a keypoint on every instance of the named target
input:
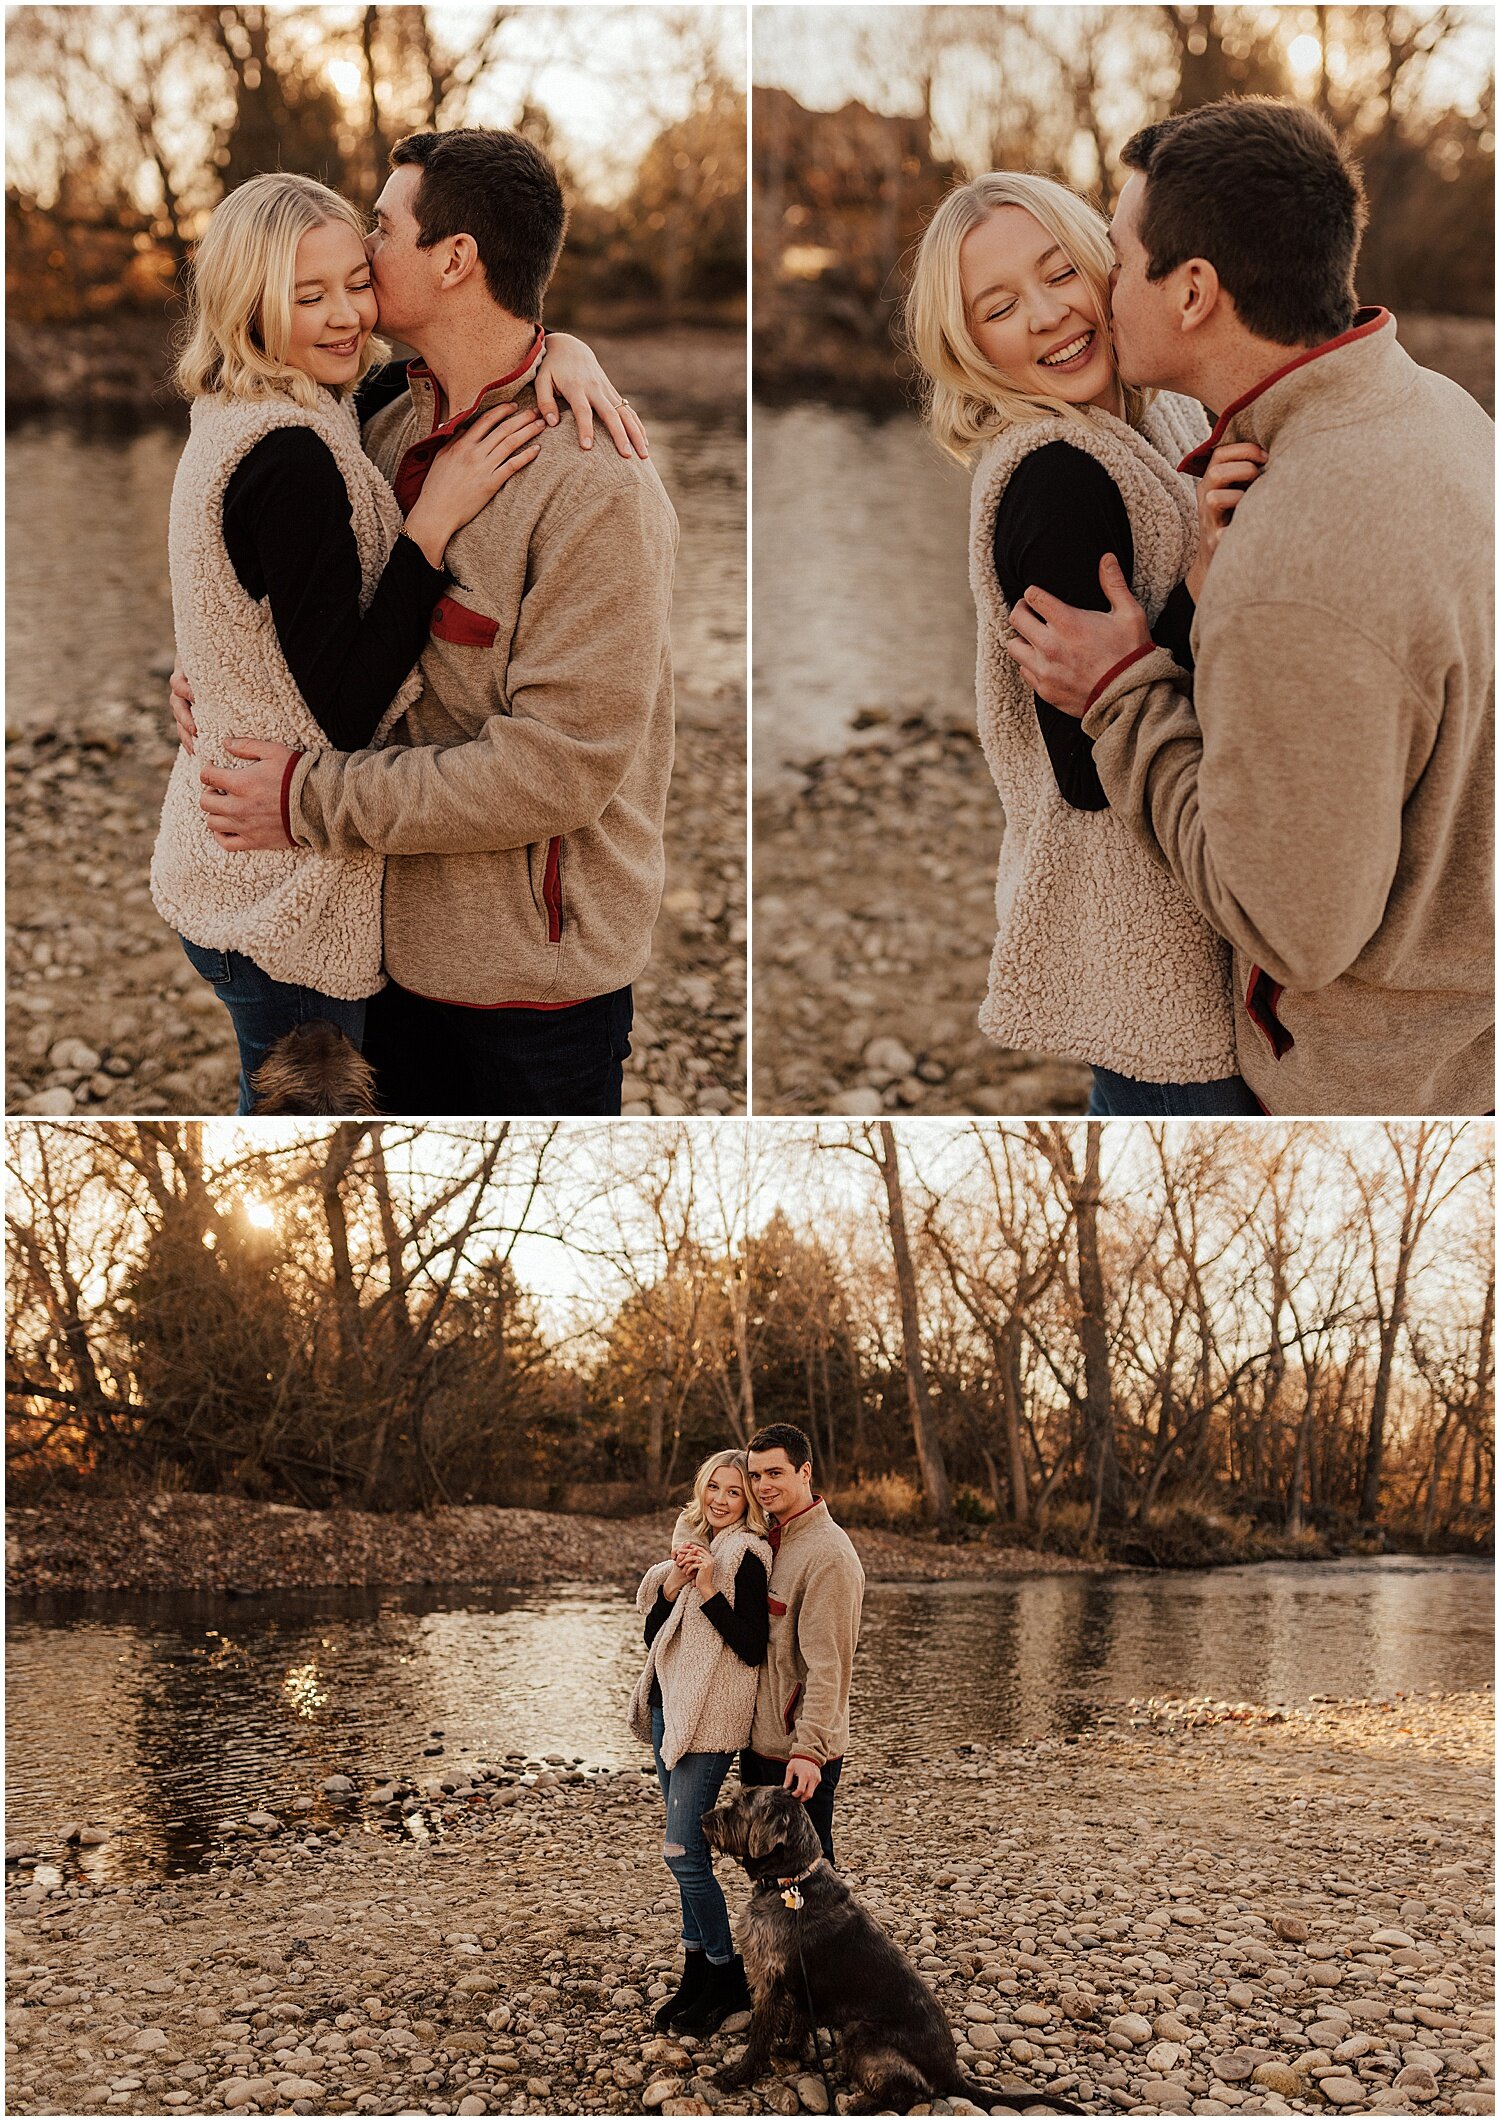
(303, 1690)
(1305, 56)
(260, 1215)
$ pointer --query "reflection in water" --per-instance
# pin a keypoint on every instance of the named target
(165, 1715)
(93, 507)
(862, 601)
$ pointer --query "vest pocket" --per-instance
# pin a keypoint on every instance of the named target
(456, 623)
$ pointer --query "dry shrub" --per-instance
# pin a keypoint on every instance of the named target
(608, 1498)
(889, 1501)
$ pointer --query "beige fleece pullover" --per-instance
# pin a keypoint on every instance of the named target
(1100, 955)
(522, 803)
(707, 1692)
(817, 1592)
(1326, 790)
(302, 918)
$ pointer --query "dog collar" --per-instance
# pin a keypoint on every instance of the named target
(788, 1887)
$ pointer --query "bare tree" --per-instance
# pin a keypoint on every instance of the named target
(1415, 1182)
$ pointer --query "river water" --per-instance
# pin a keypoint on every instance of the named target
(89, 507)
(862, 605)
(164, 1715)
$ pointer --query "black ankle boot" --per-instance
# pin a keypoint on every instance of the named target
(725, 1992)
(695, 1971)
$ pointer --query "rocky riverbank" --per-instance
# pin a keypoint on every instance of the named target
(874, 922)
(1198, 1907)
(106, 1014)
(219, 1542)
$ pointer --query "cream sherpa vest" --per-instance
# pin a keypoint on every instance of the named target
(1100, 956)
(304, 918)
(707, 1694)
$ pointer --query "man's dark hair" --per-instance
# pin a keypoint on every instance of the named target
(1264, 191)
(783, 1436)
(501, 190)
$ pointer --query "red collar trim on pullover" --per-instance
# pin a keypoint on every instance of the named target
(1366, 323)
(778, 1531)
(411, 474)
(419, 372)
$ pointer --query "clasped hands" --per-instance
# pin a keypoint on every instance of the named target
(691, 1563)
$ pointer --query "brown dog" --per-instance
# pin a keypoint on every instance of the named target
(315, 1069)
(811, 1952)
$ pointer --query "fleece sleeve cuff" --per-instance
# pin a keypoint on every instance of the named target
(1142, 668)
(291, 798)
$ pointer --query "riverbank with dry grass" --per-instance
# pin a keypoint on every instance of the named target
(219, 1542)
(1196, 1907)
(171, 1542)
(118, 368)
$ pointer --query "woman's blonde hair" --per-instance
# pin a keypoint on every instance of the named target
(965, 400)
(241, 287)
(695, 1515)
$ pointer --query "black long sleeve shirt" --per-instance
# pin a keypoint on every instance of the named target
(289, 532)
(1059, 515)
(745, 1625)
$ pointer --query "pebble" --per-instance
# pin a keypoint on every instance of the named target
(56, 1103)
(1342, 2091)
(74, 1054)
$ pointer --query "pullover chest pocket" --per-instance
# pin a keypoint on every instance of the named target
(462, 627)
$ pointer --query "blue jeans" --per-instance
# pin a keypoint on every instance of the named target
(263, 1009)
(1121, 1097)
(689, 1789)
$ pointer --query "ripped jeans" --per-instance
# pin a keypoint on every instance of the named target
(689, 1790)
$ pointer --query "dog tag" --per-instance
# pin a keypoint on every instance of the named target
(792, 1897)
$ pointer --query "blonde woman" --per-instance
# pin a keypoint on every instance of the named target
(301, 599)
(1100, 956)
(707, 1621)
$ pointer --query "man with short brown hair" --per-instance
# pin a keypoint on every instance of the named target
(1322, 784)
(801, 1726)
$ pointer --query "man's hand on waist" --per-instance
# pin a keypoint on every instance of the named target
(1064, 654)
(246, 805)
(802, 1776)
(182, 711)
